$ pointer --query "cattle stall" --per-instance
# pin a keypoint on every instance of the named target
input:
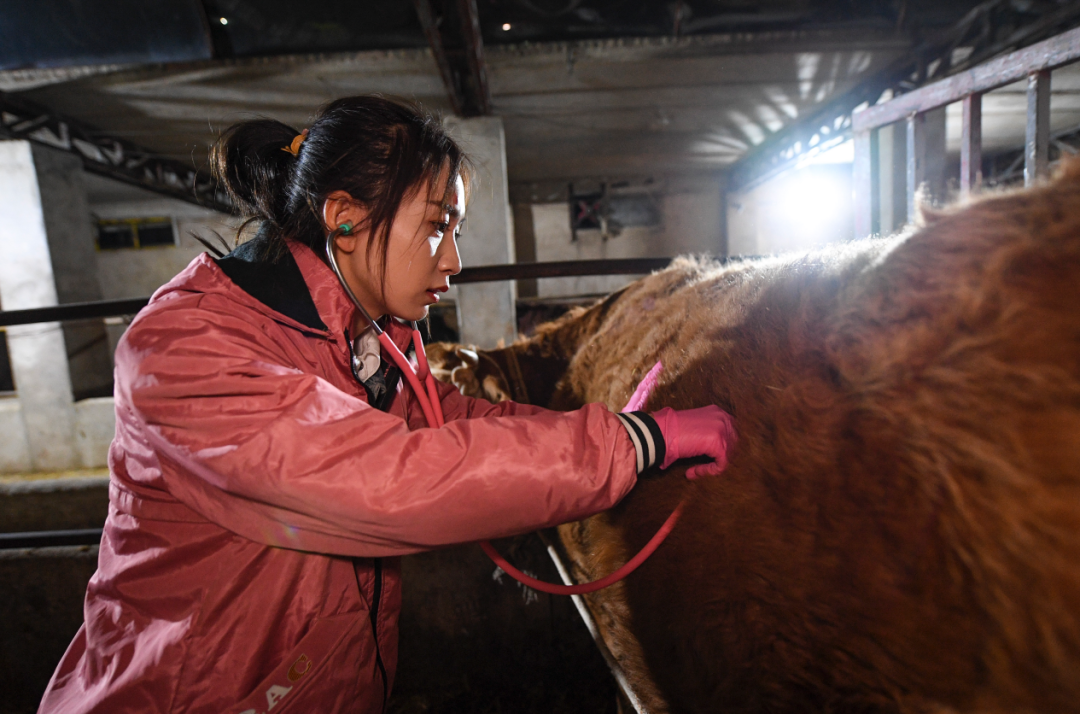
(1032, 64)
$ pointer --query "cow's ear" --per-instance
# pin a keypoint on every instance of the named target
(469, 357)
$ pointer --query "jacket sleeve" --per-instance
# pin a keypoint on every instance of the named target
(457, 406)
(283, 457)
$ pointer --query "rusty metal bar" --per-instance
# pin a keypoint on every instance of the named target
(1037, 140)
(590, 624)
(50, 539)
(73, 311)
(863, 178)
(1013, 67)
(560, 269)
(916, 160)
(478, 274)
(971, 145)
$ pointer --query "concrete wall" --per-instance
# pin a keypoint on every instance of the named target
(66, 212)
(691, 223)
(14, 449)
(95, 425)
(128, 273)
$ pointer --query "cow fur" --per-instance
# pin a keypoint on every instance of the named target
(899, 526)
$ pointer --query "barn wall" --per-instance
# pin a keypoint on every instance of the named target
(129, 273)
(691, 223)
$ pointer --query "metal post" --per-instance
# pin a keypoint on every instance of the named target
(1037, 143)
(971, 145)
(862, 177)
(916, 160)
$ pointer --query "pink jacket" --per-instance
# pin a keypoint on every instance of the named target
(256, 499)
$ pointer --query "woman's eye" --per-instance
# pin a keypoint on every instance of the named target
(440, 226)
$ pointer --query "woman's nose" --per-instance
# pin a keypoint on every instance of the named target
(449, 258)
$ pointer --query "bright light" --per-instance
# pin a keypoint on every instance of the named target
(806, 208)
(506, 27)
(223, 21)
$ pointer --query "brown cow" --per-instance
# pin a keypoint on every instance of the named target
(899, 526)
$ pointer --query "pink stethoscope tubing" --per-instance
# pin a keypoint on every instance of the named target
(430, 404)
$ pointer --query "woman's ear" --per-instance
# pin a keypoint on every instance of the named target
(341, 210)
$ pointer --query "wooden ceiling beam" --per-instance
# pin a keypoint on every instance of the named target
(452, 28)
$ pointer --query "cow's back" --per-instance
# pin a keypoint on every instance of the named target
(898, 523)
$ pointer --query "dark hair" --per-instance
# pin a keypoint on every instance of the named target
(378, 150)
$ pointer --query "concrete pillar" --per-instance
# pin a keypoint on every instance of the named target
(62, 187)
(486, 311)
(28, 279)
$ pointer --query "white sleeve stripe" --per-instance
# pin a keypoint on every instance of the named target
(651, 454)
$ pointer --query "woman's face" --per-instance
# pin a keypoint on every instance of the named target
(421, 253)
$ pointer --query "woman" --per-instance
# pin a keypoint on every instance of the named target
(267, 466)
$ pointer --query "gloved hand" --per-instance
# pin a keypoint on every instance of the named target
(706, 431)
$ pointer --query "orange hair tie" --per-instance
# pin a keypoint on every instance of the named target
(294, 147)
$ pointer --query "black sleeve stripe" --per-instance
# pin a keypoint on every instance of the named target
(657, 436)
(647, 438)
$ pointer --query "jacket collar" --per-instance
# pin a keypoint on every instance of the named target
(297, 284)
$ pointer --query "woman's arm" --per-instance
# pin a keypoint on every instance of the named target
(458, 406)
(285, 458)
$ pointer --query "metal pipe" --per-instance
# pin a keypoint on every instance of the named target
(1047, 55)
(478, 274)
(47, 539)
(863, 178)
(916, 161)
(590, 625)
(1037, 139)
(971, 145)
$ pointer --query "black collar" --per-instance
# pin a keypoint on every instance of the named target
(276, 283)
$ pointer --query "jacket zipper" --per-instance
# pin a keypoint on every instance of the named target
(375, 598)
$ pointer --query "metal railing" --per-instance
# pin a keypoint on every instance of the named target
(1034, 63)
(478, 274)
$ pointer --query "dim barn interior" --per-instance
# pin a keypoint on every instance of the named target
(823, 255)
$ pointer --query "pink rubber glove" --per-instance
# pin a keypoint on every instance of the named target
(706, 431)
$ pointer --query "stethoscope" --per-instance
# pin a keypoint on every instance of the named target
(423, 385)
